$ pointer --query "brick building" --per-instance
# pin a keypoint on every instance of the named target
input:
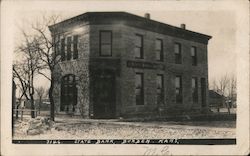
(117, 64)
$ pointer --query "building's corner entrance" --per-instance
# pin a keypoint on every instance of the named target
(104, 105)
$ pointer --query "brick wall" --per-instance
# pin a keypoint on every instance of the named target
(78, 67)
(171, 70)
(123, 51)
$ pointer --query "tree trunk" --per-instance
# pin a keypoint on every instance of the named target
(228, 108)
(32, 107)
(39, 105)
(17, 106)
(52, 105)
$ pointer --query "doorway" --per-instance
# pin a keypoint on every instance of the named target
(104, 95)
(68, 93)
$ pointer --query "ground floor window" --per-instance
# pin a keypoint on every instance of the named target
(139, 89)
(160, 89)
(178, 89)
(203, 92)
(68, 93)
(195, 89)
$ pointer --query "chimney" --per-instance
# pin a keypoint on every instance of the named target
(147, 15)
(183, 26)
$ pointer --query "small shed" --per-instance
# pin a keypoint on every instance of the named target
(215, 99)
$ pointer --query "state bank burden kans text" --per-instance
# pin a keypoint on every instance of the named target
(231, 141)
(145, 65)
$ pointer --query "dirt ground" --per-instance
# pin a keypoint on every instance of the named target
(113, 129)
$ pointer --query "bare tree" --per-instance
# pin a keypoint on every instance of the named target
(47, 56)
(226, 87)
(223, 84)
(232, 89)
(215, 87)
(21, 90)
(40, 91)
(26, 69)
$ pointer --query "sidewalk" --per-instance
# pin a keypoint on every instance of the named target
(113, 129)
(216, 125)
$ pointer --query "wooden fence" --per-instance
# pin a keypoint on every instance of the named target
(22, 112)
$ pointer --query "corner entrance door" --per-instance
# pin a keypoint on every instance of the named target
(104, 96)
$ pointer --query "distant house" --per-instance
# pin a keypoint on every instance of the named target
(44, 105)
(215, 99)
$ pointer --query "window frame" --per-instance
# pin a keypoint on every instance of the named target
(178, 56)
(141, 89)
(194, 61)
(63, 54)
(195, 94)
(68, 92)
(75, 46)
(179, 97)
(100, 42)
(69, 49)
(160, 51)
(141, 48)
(56, 42)
(161, 94)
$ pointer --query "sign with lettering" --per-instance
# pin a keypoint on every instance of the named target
(145, 65)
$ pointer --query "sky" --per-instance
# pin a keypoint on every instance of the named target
(220, 24)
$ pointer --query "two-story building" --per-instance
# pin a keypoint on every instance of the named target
(116, 64)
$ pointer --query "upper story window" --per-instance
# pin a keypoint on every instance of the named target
(75, 47)
(194, 56)
(178, 89)
(159, 50)
(177, 52)
(160, 89)
(57, 44)
(139, 46)
(69, 48)
(63, 49)
(105, 43)
(139, 89)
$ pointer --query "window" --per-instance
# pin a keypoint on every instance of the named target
(68, 93)
(75, 47)
(139, 46)
(177, 51)
(203, 92)
(178, 89)
(195, 89)
(68, 48)
(159, 50)
(56, 44)
(194, 56)
(63, 49)
(105, 43)
(160, 89)
(139, 89)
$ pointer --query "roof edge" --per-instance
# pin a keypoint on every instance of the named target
(86, 16)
